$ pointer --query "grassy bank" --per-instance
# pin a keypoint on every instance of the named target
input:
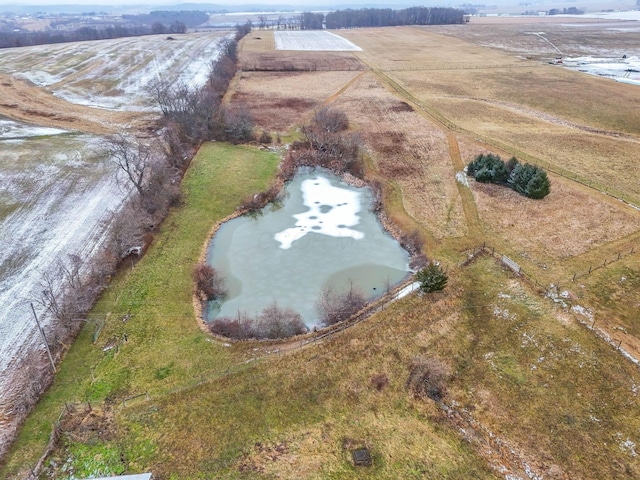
(160, 347)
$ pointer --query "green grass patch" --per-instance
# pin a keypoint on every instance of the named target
(164, 348)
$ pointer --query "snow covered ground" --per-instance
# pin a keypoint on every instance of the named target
(621, 69)
(113, 74)
(52, 204)
(313, 40)
(15, 130)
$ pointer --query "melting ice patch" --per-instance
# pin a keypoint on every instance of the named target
(332, 210)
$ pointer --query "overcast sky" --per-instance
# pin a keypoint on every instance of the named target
(299, 3)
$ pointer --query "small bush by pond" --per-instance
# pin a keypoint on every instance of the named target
(272, 323)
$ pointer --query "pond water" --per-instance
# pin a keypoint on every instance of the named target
(323, 234)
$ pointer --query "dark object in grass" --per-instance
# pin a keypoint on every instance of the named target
(362, 457)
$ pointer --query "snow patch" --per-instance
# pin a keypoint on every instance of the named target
(313, 40)
(461, 177)
(331, 211)
(10, 129)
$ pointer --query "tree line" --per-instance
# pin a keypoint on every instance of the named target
(158, 22)
(387, 17)
(29, 39)
(365, 17)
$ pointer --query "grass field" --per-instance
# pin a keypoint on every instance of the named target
(533, 386)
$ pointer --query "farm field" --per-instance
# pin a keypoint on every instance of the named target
(536, 374)
(57, 189)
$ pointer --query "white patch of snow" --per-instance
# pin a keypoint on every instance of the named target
(625, 70)
(461, 177)
(331, 211)
(10, 129)
(313, 40)
(579, 309)
(407, 290)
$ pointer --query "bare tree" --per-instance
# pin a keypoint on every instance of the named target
(132, 157)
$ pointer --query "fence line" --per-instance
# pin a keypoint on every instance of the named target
(485, 249)
(607, 261)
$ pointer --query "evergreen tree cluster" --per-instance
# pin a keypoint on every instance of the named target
(387, 17)
(526, 179)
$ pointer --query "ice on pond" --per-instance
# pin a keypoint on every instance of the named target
(332, 210)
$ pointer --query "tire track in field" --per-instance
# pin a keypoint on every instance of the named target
(332, 98)
(469, 207)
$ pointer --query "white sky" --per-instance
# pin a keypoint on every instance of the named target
(130, 3)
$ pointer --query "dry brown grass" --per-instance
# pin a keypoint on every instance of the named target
(398, 48)
(409, 150)
(278, 100)
(568, 222)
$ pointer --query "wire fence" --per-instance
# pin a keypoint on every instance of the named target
(484, 249)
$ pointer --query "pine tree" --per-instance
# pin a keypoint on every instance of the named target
(432, 278)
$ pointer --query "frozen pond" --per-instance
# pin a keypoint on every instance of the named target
(323, 235)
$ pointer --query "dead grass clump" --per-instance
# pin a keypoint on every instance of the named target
(402, 107)
(427, 378)
(379, 381)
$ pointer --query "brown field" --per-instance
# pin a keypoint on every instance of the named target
(579, 125)
(279, 100)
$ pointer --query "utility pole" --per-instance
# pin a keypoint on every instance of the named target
(44, 339)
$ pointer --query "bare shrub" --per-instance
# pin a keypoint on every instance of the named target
(260, 200)
(412, 242)
(265, 138)
(209, 282)
(238, 125)
(272, 323)
(331, 120)
(240, 327)
(278, 322)
(427, 378)
(377, 194)
(126, 230)
(379, 381)
(334, 307)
